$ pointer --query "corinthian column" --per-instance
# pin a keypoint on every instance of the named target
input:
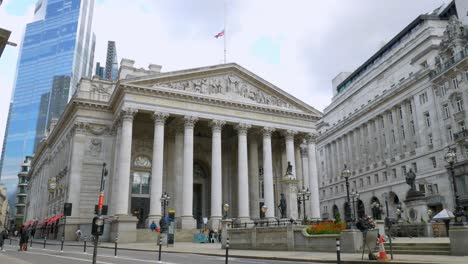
(254, 195)
(74, 182)
(313, 177)
(216, 174)
(157, 168)
(268, 173)
(188, 222)
(125, 155)
(289, 136)
(243, 172)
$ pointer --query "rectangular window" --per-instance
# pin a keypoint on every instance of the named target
(354, 185)
(393, 136)
(434, 162)
(390, 117)
(427, 119)
(403, 170)
(410, 106)
(331, 191)
(403, 132)
(461, 125)
(415, 166)
(376, 178)
(436, 188)
(413, 130)
(422, 188)
(401, 112)
(385, 176)
(455, 83)
(382, 122)
(459, 105)
(384, 139)
(429, 139)
(423, 98)
(446, 111)
(429, 189)
(368, 180)
(443, 90)
(450, 134)
(323, 193)
(394, 172)
(342, 188)
(361, 183)
(336, 189)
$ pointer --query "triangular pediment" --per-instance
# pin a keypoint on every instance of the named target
(228, 82)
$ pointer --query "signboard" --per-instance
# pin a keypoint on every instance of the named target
(170, 233)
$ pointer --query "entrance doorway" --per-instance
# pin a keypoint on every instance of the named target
(198, 204)
(140, 209)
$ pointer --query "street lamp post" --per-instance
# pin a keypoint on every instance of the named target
(346, 173)
(98, 221)
(450, 158)
(164, 202)
(303, 196)
(226, 209)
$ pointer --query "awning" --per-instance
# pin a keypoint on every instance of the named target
(28, 223)
(54, 219)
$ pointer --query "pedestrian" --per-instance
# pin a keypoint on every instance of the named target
(3, 236)
(153, 226)
(78, 234)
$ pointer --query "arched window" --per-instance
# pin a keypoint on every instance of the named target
(141, 175)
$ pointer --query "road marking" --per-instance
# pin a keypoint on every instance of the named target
(64, 257)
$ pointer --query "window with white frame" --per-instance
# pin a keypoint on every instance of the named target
(413, 129)
(361, 183)
(368, 180)
(403, 132)
(433, 162)
(423, 98)
(459, 104)
(415, 166)
(443, 90)
(394, 172)
(450, 133)
(446, 111)
(385, 176)
(455, 83)
(401, 112)
(376, 178)
(403, 170)
(410, 107)
(427, 119)
(390, 117)
(461, 125)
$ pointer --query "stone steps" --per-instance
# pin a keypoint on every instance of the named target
(419, 248)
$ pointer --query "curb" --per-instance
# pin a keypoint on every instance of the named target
(278, 258)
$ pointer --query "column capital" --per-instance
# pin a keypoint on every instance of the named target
(128, 113)
(242, 128)
(160, 117)
(289, 134)
(217, 125)
(267, 131)
(80, 127)
(190, 121)
(311, 138)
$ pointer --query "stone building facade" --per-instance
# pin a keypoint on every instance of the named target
(4, 208)
(400, 110)
(206, 136)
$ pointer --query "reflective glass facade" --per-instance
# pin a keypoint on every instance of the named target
(55, 53)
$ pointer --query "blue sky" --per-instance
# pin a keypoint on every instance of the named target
(298, 45)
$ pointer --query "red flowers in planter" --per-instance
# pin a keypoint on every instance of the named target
(325, 228)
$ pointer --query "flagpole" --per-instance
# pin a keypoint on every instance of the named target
(225, 35)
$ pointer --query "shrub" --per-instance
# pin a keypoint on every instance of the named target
(325, 228)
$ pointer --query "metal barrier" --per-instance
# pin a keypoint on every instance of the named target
(274, 222)
(338, 251)
(227, 250)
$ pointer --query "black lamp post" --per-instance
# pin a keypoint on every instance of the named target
(303, 195)
(450, 158)
(164, 202)
(346, 173)
(226, 209)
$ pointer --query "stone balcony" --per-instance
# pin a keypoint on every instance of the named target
(461, 137)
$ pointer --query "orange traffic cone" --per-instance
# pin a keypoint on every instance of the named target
(382, 254)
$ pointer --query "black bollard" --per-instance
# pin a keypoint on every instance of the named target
(84, 245)
(115, 245)
(338, 251)
(45, 240)
(61, 245)
(160, 247)
(227, 249)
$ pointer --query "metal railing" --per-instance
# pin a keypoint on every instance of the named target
(442, 67)
(275, 223)
(460, 135)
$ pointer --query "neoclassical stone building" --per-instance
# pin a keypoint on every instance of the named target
(205, 136)
(400, 110)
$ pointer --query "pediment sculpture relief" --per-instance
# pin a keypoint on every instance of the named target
(228, 87)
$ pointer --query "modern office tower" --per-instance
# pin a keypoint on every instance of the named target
(99, 70)
(56, 52)
(112, 66)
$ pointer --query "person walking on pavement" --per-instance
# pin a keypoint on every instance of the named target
(3, 236)
(78, 234)
(153, 226)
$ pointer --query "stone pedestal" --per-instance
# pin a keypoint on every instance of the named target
(351, 241)
(290, 187)
(380, 225)
(416, 205)
(188, 222)
(225, 223)
(458, 237)
(124, 226)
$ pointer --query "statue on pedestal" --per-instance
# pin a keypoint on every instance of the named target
(410, 180)
(282, 206)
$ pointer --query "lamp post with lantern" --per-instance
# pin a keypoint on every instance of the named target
(226, 209)
(346, 173)
(303, 196)
(450, 158)
(164, 202)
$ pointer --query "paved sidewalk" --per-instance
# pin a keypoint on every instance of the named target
(215, 250)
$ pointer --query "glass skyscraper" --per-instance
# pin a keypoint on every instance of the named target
(56, 52)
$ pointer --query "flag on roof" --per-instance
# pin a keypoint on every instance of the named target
(220, 34)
